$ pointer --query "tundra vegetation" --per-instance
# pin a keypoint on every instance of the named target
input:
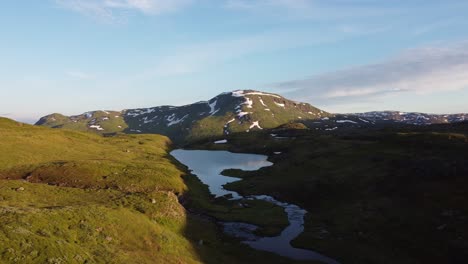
(75, 197)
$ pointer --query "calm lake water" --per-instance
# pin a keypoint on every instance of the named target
(208, 165)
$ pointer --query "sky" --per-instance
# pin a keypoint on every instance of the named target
(73, 56)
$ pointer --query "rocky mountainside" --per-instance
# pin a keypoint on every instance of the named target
(238, 111)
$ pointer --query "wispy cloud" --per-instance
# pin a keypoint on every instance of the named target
(423, 70)
(192, 58)
(440, 25)
(113, 10)
(314, 9)
(79, 75)
(262, 4)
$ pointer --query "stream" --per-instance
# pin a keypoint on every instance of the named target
(207, 166)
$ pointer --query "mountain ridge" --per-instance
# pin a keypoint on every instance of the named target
(232, 112)
(236, 111)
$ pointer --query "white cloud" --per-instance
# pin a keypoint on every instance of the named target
(111, 10)
(417, 71)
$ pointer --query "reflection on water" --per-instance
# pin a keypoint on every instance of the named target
(208, 165)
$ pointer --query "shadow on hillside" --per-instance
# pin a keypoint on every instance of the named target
(397, 196)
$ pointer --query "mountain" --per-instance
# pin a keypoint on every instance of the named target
(412, 118)
(231, 112)
(237, 111)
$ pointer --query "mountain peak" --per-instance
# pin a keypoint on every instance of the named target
(235, 111)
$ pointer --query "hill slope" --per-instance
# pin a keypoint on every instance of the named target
(74, 197)
(237, 111)
(121, 206)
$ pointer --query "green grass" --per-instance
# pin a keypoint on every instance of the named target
(75, 159)
(122, 206)
(75, 197)
(270, 218)
(48, 224)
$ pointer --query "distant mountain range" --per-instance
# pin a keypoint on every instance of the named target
(412, 118)
(231, 112)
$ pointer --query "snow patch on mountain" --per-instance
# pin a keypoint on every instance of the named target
(243, 93)
(223, 141)
(230, 121)
(248, 102)
(97, 127)
(138, 112)
(238, 93)
(280, 105)
(241, 114)
(212, 107)
(172, 119)
(255, 124)
(346, 121)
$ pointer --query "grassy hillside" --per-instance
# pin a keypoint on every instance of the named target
(74, 159)
(124, 209)
(373, 196)
(75, 197)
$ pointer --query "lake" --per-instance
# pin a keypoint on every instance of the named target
(207, 165)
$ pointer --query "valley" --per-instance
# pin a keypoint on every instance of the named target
(234, 132)
(110, 186)
(74, 197)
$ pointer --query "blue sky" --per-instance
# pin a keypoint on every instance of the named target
(71, 56)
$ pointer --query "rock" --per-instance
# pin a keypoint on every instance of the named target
(200, 242)
(153, 201)
(20, 189)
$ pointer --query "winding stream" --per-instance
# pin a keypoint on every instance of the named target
(208, 165)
